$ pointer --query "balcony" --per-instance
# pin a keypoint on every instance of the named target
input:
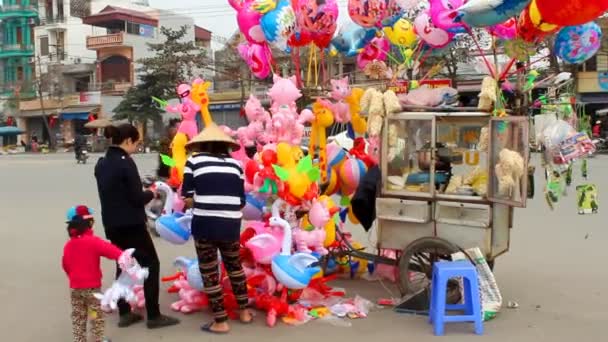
(16, 11)
(24, 91)
(57, 22)
(16, 50)
(109, 40)
(111, 88)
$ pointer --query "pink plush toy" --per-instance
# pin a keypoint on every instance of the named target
(190, 300)
(258, 119)
(139, 302)
(187, 109)
(310, 238)
(284, 93)
(339, 92)
(266, 245)
(319, 214)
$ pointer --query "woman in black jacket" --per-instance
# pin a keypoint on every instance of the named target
(122, 210)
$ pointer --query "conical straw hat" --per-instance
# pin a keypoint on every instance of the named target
(212, 133)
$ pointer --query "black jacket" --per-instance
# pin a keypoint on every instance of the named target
(364, 200)
(120, 191)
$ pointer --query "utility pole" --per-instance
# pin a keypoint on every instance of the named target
(44, 116)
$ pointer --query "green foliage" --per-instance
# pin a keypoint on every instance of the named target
(174, 61)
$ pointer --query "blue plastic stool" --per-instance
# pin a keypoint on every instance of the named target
(442, 272)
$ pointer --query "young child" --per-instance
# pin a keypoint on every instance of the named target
(81, 263)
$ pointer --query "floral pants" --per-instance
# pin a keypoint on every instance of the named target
(208, 265)
(85, 306)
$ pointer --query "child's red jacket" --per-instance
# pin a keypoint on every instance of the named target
(82, 259)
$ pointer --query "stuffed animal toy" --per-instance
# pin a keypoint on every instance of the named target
(378, 105)
(487, 96)
(484, 139)
(509, 171)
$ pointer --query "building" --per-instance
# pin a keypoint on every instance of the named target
(86, 58)
(17, 19)
(592, 80)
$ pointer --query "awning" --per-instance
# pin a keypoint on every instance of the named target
(35, 113)
(593, 98)
(77, 113)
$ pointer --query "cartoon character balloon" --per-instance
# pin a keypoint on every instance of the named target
(482, 13)
(431, 34)
(279, 25)
(367, 13)
(576, 44)
(258, 57)
(506, 30)
(376, 50)
(401, 33)
(527, 30)
(352, 38)
(444, 16)
(571, 12)
(317, 17)
(248, 20)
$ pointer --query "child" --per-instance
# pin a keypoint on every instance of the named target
(81, 263)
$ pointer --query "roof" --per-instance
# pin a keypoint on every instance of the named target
(114, 13)
(201, 33)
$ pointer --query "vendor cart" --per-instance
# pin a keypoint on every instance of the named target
(450, 181)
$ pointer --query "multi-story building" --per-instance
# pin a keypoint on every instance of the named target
(17, 19)
(86, 57)
(592, 81)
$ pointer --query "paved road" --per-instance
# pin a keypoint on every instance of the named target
(556, 269)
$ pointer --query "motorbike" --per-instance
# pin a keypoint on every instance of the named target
(601, 145)
(82, 156)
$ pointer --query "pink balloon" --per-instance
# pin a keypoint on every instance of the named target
(443, 14)
(319, 18)
(376, 50)
(429, 33)
(248, 20)
(367, 13)
(506, 30)
(258, 57)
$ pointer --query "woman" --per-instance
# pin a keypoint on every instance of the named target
(122, 210)
(213, 185)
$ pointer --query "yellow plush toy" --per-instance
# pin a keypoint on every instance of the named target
(354, 103)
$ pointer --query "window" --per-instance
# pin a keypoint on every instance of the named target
(589, 65)
(44, 46)
(20, 73)
(132, 28)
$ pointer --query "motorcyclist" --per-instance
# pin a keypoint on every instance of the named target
(80, 143)
(597, 129)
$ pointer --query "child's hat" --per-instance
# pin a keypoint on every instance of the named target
(80, 210)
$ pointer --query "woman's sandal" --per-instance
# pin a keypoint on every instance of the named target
(249, 321)
(207, 328)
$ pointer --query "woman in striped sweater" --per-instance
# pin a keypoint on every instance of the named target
(213, 186)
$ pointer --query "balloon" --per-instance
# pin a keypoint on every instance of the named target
(538, 20)
(317, 17)
(279, 25)
(367, 13)
(333, 182)
(352, 38)
(351, 172)
(375, 51)
(481, 13)
(527, 30)
(576, 44)
(429, 33)
(248, 20)
(401, 33)
(258, 57)
(335, 154)
(571, 12)
(506, 30)
(254, 207)
(394, 12)
(444, 17)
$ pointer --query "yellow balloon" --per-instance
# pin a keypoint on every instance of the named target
(351, 216)
(179, 155)
(285, 155)
(537, 19)
(401, 33)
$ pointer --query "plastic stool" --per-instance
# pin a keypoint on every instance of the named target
(442, 272)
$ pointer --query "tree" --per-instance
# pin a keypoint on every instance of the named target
(174, 61)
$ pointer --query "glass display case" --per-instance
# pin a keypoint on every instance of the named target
(509, 156)
(454, 155)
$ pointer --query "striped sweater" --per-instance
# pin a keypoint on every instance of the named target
(216, 185)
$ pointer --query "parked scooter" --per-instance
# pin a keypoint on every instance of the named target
(82, 156)
(601, 145)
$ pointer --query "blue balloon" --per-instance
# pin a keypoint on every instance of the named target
(479, 13)
(352, 39)
(576, 44)
(279, 24)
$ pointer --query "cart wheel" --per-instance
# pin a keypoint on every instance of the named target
(416, 263)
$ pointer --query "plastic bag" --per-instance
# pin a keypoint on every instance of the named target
(555, 133)
(491, 299)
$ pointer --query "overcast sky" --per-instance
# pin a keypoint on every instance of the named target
(215, 15)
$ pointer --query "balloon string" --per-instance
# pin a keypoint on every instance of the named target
(316, 60)
(523, 67)
(483, 55)
(388, 54)
(295, 56)
(426, 55)
(309, 69)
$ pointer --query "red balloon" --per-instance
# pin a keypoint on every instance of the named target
(527, 31)
(269, 157)
(571, 12)
(251, 168)
(318, 18)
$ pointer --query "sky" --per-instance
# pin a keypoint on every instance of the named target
(215, 15)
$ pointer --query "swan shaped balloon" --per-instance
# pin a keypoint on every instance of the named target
(293, 271)
(267, 243)
(172, 226)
